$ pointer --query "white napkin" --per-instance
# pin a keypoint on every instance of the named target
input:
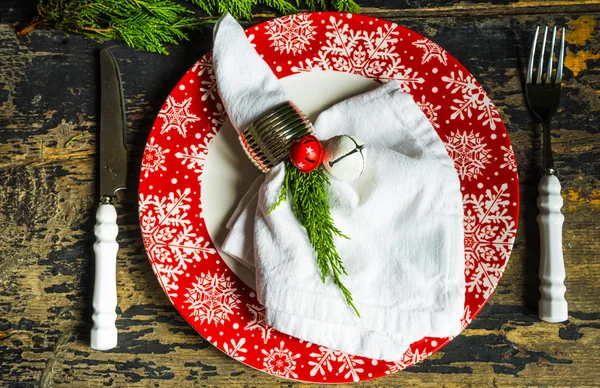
(246, 84)
(404, 215)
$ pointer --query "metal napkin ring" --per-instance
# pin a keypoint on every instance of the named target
(268, 139)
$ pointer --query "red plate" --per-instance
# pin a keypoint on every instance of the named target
(198, 282)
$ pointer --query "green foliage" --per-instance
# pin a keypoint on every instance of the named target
(315, 5)
(150, 24)
(310, 206)
(346, 6)
(242, 9)
(144, 24)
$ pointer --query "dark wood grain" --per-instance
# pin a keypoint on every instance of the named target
(48, 94)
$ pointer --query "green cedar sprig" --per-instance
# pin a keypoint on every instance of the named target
(242, 9)
(346, 6)
(150, 24)
(144, 24)
(310, 206)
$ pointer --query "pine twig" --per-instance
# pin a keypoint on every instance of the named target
(145, 24)
(311, 208)
(345, 6)
(150, 24)
(315, 5)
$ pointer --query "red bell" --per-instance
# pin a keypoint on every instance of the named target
(307, 153)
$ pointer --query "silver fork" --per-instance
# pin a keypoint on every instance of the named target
(543, 96)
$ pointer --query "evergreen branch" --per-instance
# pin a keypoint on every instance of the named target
(281, 6)
(145, 24)
(150, 24)
(345, 6)
(315, 5)
(242, 9)
(311, 208)
(282, 194)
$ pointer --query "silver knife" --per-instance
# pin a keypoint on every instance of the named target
(113, 174)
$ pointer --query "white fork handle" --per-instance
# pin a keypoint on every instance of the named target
(553, 305)
(104, 331)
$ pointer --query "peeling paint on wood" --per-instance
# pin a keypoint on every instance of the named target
(48, 94)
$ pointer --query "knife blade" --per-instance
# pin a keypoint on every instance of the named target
(113, 176)
(113, 156)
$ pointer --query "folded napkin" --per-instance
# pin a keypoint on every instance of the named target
(405, 258)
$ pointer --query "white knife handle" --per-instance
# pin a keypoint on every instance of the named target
(104, 331)
(552, 305)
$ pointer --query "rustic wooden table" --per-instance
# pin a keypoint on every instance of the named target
(48, 93)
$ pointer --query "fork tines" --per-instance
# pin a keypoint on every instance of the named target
(548, 79)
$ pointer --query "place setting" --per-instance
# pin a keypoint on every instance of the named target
(328, 197)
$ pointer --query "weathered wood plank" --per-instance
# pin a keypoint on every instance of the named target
(48, 93)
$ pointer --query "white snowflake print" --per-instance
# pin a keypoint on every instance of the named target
(466, 319)
(431, 50)
(471, 97)
(280, 361)
(291, 34)
(430, 111)
(489, 235)
(251, 40)
(194, 157)
(169, 236)
(219, 115)
(509, 159)
(177, 116)
(212, 298)
(410, 357)
(236, 349)
(204, 66)
(154, 158)
(259, 322)
(351, 365)
(324, 361)
(206, 72)
(328, 360)
(371, 55)
(469, 152)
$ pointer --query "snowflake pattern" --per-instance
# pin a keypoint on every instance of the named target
(280, 361)
(351, 365)
(466, 319)
(430, 111)
(218, 118)
(371, 55)
(410, 357)
(236, 349)
(206, 72)
(291, 34)
(324, 361)
(177, 116)
(212, 298)
(431, 50)
(259, 322)
(204, 67)
(509, 159)
(328, 360)
(471, 97)
(469, 152)
(194, 157)
(489, 234)
(169, 237)
(154, 158)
